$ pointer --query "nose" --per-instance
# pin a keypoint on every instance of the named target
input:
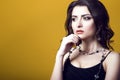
(79, 23)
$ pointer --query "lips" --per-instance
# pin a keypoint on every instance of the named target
(79, 31)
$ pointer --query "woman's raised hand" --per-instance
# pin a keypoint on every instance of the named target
(67, 43)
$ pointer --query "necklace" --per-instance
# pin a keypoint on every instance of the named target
(96, 76)
(86, 53)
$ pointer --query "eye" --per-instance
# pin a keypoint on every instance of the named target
(87, 18)
(73, 19)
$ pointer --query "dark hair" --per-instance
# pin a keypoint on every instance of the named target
(101, 18)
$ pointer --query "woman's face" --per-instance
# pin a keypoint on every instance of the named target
(82, 22)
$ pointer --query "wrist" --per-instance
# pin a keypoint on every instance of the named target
(60, 53)
(59, 56)
(59, 59)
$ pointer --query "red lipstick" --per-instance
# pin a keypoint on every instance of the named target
(79, 31)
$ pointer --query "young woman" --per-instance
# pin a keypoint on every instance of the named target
(85, 53)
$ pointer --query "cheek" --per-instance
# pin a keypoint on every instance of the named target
(90, 28)
(73, 27)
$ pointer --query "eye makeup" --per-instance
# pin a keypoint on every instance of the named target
(85, 17)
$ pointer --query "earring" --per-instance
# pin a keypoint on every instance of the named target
(98, 38)
(79, 49)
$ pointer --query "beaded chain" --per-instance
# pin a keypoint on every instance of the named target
(96, 76)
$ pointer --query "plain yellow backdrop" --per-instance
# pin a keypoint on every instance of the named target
(30, 34)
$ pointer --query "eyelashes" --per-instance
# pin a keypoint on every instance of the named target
(85, 18)
(74, 19)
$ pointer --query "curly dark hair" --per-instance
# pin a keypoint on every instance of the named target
(100, 16)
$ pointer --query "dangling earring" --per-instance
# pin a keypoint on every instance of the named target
(98, 38)
(79, 49)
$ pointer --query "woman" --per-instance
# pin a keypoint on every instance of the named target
(85, 53)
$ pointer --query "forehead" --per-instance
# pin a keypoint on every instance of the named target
(80, 10)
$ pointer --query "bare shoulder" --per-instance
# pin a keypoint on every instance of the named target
(112, 66)
(113, 56)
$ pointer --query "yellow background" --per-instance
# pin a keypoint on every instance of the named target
(30, 34)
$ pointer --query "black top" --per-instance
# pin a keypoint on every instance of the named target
(92, 73)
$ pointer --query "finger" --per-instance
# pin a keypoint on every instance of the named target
(76, 38)
(72, 38)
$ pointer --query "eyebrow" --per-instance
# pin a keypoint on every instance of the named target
(81, 15)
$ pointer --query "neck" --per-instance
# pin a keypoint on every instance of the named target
(90, 45)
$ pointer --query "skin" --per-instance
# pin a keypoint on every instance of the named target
(82, 20)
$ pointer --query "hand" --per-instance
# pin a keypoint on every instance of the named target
(67, 43)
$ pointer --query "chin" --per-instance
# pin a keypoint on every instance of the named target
(84, 37)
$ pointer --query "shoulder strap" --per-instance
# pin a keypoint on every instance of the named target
(104, 57)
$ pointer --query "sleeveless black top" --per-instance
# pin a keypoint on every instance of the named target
(96, 72)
